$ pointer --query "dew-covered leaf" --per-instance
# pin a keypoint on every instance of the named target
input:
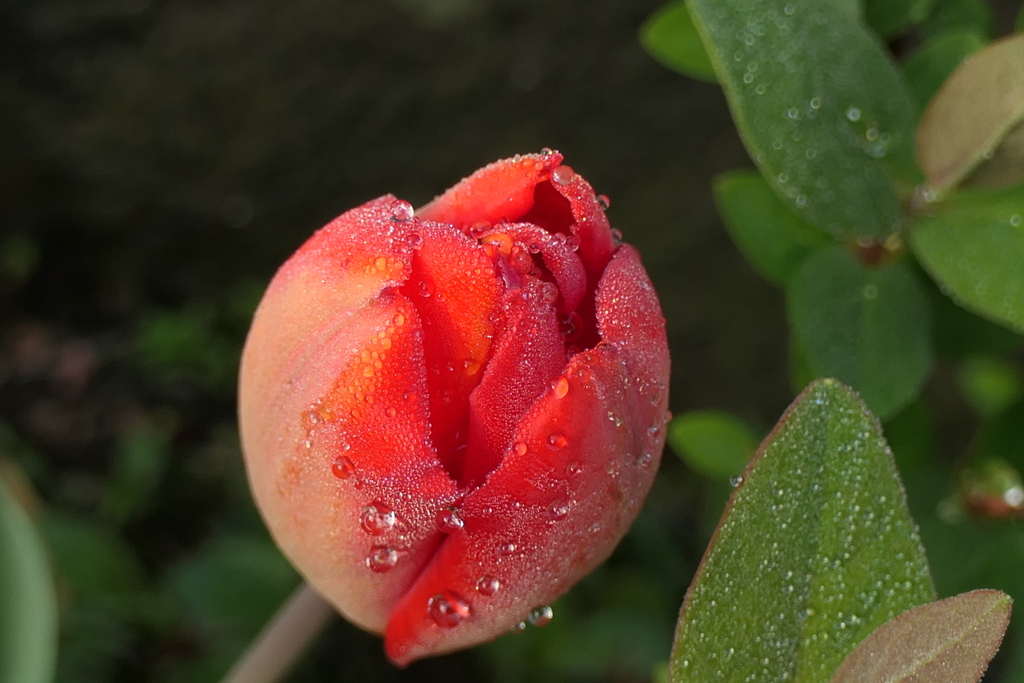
(948, 641)
(712, 442)
(823, 112)
(28, 602)
(815, 551)
(928, 68)
(867, 326)
(973, 246)
(671, 38)
(889, 17)
(772, 238)
(972, 113)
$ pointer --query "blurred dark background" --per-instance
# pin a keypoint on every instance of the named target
(160, 158)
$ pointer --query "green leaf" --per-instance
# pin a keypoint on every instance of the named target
(889, 18)
(928, 68)
(774, 239)
(974, 249)
(990, 384)
(958, 333)
(976, 109)
(821, 109)
(816, 550)
(28, 602)
(958, 15)
(869, 327)
(671, 38)
(139, 463)
(714, 443)
(949, 641)
(1003, 437)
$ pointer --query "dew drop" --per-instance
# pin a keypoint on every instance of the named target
(377, 519)
(519, 447)
(853, 114)
(559, 510)
(414, 240)
(549, 292)
(471, 367)
(573, 468)
(611, 467)
(425, 288)
(382, 560)
(541, 616)
(560, 387)
(604, 201)
(518, 628)
(563, 175)
(617, 236)
(508, 548)
(487, 586)
(557, 442)
(736, 481)
(342, 467)
(1015, 220)
(447, 609)
(390, 412)
(449, 521)
(644, 461)
(401, 211)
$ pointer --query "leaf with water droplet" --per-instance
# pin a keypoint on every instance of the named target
(928, 68)
(671, 38)
(815, 551)
(773, 238)
(28, 600)
(867, 326)
(972, 115)
(948, 641)
(811, 63)
(714, 443)
(973, 246)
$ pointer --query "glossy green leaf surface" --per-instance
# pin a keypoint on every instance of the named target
(670, 37)
(869, 327)
(815, 551)
(771, 237)
(889, 17)
(948, 641)
(823, 112)
(928, 68)
(974, 248)
(28, 602)
(712, 442)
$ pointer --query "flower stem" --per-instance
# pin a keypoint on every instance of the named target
(283, 639)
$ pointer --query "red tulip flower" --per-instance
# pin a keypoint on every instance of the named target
(451, 416)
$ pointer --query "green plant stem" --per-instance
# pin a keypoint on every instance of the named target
(283, 639)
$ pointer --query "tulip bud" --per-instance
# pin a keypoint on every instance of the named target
(449, 417)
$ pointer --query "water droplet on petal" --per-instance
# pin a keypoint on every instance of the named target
(382, 560)
(549, 292)
(487, 586)
(736, 481)
(401, 211)
(560, 387)
(449, 520)
(390, 412)
(342, 467)
(518, 628)
(377, 519)
(557, 442)
(447, 609)
(563, 175)
(519, 447)
(573, 468)
(541, 616)
(559, 510)
(604, 201)
(508, 548)
(425, 288)
(471, 366)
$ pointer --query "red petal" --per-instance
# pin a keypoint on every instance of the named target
(559, 258)
(527, 356)
(334, 417)
(455, 289)
(553, 509)
(502, 191)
